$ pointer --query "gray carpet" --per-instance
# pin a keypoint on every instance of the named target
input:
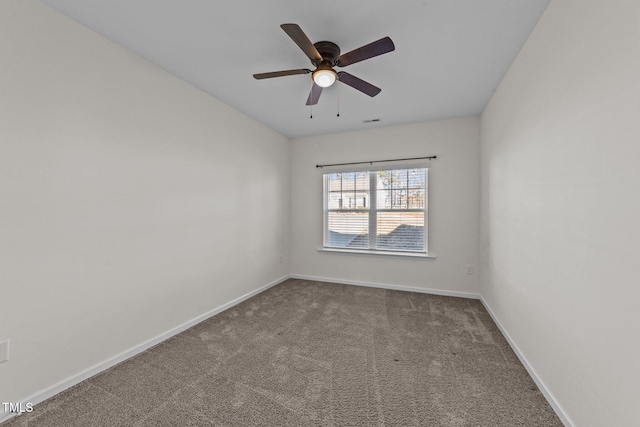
(316, 354)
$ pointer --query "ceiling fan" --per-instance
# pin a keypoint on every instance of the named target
(325, 56)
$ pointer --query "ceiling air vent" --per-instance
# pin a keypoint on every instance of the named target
(371, 121)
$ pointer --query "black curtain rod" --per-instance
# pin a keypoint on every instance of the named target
(377, 161)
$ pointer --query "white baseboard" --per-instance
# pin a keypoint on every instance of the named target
(543, 388)
(388, 286)
(88, 373)
(96, 369)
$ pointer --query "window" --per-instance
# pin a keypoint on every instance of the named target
(381, 210)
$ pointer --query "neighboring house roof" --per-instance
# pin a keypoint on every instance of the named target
(405, 237)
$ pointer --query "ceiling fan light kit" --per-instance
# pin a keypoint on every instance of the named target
(324, 77)
(325, 55)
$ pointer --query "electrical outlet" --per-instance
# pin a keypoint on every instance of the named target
(4, 351)
(470, 269)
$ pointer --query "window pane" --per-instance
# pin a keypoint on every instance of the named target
(400, 231)
(383, 195)
(334, 200)
(399, 199)
(335, 182)
(347, 190)
(383, 198)
(362, 200)
(333, 190)
(417, 178)
(348, 181)
(384, 178)
(399, 178)
(362, 181)
(348, 200)
(416, 199)
(348, 230)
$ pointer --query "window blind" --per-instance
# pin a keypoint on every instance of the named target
(382, 210)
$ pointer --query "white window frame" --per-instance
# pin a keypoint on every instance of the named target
(373, 210)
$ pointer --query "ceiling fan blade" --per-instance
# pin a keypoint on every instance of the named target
(301, 39)
(314, 95)
(359, 84)
(378, 47)
(261, 76)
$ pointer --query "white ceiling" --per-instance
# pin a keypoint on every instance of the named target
(450, 54)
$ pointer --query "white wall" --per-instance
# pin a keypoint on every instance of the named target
(130, 202)
(118, 186)
(453, 204)
(561, 207)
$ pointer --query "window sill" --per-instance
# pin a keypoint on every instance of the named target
(378, 253)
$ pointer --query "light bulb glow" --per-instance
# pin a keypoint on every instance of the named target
(324, 77)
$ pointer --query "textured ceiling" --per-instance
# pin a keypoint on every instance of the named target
(450, 54)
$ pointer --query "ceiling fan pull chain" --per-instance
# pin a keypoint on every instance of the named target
(338, 97)
(311, 105)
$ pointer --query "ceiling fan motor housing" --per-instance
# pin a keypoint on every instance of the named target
(329, 52)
